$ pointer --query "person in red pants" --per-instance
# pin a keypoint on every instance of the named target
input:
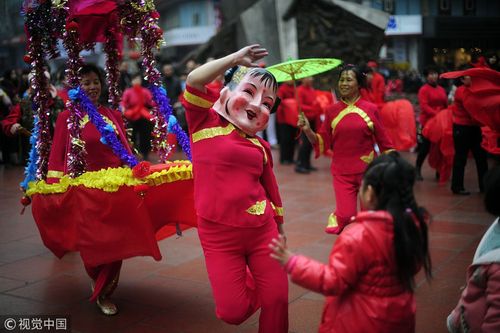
(351, 129)
(237, 201)
(99, 156)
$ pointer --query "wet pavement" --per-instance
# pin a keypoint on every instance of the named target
(173, 295)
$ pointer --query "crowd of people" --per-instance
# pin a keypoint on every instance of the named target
(16, 115)
(226, 105)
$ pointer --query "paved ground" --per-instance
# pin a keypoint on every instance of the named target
(173, 295)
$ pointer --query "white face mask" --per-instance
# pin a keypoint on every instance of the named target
(248, 105)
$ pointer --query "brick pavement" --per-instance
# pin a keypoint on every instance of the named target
(174, 295)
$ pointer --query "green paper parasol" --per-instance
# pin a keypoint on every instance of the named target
(301, 68)
(293, 70)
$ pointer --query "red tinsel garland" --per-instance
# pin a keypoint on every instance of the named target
(76, 153)
(39, 85)
(113, 58)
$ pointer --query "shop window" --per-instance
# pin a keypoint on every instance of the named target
(444, 7)
(469, 7)
(389, 6)
(196, 19)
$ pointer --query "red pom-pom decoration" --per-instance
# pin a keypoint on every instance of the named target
(27, 59)
(72, 26)
(141, 170)
(25, 201)
(155, 15)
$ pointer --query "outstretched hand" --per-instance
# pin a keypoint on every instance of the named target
(248, 55)
(303, 122)
(279, 250)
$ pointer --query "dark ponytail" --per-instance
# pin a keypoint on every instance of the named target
(392, 179)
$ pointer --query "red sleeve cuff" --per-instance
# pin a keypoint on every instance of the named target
(211, 95)
(290, 264)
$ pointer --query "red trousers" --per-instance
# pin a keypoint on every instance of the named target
(243, 275)
(346, 188)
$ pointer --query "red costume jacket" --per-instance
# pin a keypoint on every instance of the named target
(22, 113)
(351, 131)
(360, 281)
(431, 100)
(136, 102)
(460, 115)
(376, 92)
(307, 101)
(216, 85)
(287, 110)
(234, 182)
(286, 91)
(99, 156)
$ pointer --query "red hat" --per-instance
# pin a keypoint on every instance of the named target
(372, 63)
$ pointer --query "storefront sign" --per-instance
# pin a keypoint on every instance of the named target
(188, 36)
(404, 25)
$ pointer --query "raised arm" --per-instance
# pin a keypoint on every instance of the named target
(207, 72)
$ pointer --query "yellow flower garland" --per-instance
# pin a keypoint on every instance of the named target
(111, 179)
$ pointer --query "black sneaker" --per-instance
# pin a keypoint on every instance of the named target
(461, 192)
(302, 170)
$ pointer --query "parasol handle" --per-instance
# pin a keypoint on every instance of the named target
(298, 104)
(296, 94)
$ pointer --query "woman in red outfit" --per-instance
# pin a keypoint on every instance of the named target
(351, 129)
(432, 99)
(466, 137)
(369, 280)
(235, 191)
(98, 156)
(286, 117)
(375, 85)
(137, 101)
(311, 109)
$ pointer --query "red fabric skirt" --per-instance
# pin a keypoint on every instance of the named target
(491, 140)
(111, 226)
(439, 130)
(399, 123)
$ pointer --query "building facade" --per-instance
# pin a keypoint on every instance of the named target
(447, 33)
(186, 25)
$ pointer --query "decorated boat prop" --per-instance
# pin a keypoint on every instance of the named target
(151, 202)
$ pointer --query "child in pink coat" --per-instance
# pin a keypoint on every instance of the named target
(369, 279)
(478, 309)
